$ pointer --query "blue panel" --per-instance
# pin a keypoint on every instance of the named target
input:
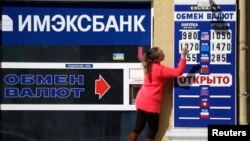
(91, 24)
(206, 93)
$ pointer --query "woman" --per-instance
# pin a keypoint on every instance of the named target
(149, 97)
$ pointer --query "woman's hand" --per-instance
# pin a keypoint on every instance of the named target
(184, 52)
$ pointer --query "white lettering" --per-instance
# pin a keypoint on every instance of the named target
(40, 26)
(83, 23)
(79, 23)
(26, 22)
(60, 22)
(70, 23)
(230, 133)
(128, 23)
(97, 25)
(138, 23)
(215, 132)
(112, 24)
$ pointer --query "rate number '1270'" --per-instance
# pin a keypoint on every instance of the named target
(193, 47)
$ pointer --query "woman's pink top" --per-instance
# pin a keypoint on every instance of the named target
(149, 97)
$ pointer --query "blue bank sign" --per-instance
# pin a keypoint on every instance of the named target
(99, 25)
(206, 93)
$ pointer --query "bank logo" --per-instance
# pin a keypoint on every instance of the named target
(75, 23)
(7, 23)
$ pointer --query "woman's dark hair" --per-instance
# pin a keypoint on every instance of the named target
(148, 58)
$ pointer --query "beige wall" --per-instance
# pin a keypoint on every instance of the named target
(163, 38)
(248, 57)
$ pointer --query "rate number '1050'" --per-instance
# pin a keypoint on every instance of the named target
(221, 35)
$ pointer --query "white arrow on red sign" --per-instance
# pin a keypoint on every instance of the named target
(101, 87)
